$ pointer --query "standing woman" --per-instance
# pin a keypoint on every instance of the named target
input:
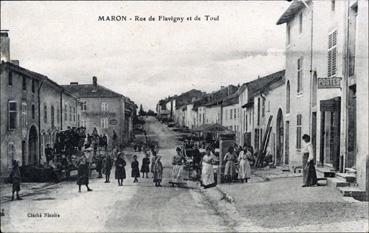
(229, 166)
(108, 164)
(244, 172)
(207, 172)
(83, 172)
(178, 161)
(308, 164)
(158, 171)
(153, 159)
(120, 171)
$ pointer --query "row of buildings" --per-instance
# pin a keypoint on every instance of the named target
(34, 109)
(323, 92)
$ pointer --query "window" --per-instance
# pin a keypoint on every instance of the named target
(10, 79)
(33, 112)
(45, 114)
(258, 111)
(299, 74)
(300, 23)
(268, 110)
(12, 115)
(33, 86)
(104, 107)
(288, 97)
(288, 33)
(78, 120)
(24, 115)
(298, 131)
(52, 116)
(65, 112)
(104, 123)
(226, 114)
(246, 124)
(84, 106)
(263, 108)
(231, 127)
(234, 114)
(333, 5)
(24, 83)
(70, 113)
(332, 54)
(83, 123)
(231, 114)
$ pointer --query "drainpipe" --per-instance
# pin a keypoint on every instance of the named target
(39, 120)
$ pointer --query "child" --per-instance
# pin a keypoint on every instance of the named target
(158, 171)
(15, 179)
(135, 169)
(145, 168)
(120, 171)
(108, 164)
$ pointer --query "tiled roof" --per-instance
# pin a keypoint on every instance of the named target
(91, 91)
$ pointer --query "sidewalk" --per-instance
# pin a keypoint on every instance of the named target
(26, 189)
(284, 204)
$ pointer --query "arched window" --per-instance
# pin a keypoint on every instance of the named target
(288, 97)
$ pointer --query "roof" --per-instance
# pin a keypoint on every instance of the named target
(291, 11)
(256, 85)
(211, 128)
(91, 91)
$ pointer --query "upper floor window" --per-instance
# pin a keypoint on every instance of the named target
(299, 75)
(10, 79)
(84, 106)
(57, 115)
(33, 86)
(332, 54)
(226, 114)
(333, 5)
(65, 112)
(234, 114)
(12, 115)
(33, 112)
(231, 114)
(288, 33)
(104, 123)
(24, 114)
(24, 83)
(288, 97)
(52, 116)
(70, 112)
(263, 107)
(45, 113)
(104, 107)
(300, 23)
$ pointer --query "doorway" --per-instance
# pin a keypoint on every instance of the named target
(279, 138)
(32, 146)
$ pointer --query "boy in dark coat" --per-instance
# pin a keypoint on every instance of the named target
(108, 164)
(15, 179)
(120, 171)
(145, 168)
(135, 169)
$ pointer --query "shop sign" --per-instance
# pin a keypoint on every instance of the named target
(334, 82)
(113, 122)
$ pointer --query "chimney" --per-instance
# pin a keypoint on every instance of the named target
(5, 46)
(94, 81)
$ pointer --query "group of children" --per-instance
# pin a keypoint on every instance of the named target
(156, 167)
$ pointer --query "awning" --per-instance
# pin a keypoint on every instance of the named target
(210, 128)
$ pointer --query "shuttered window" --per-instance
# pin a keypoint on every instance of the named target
(332, 54)
(299, 75)
(12, 115)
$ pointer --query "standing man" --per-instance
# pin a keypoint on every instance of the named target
(83, 173)
(108, 164)
(89, 156)
(15, 179)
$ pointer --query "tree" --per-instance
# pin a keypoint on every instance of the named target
(141, 112)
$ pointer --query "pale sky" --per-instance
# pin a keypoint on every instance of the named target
(147, 61)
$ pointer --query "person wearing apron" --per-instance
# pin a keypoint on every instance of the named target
(308, 164)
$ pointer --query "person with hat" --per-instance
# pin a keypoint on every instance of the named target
(135, 171)
(145, 167)
(120, 171)
(178, 162)
(158, 171)
(153, 159)
(15, 179)
(83, 172)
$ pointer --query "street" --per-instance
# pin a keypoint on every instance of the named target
(276, 205)
(133, 207)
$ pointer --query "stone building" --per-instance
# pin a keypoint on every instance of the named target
(105, 110)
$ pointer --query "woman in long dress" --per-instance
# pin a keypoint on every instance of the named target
(207, 172)
(229, 158)
(178, 162)
(244, 172)
(308, 164)
(158, 171)
(83, 171)
(120, 171)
